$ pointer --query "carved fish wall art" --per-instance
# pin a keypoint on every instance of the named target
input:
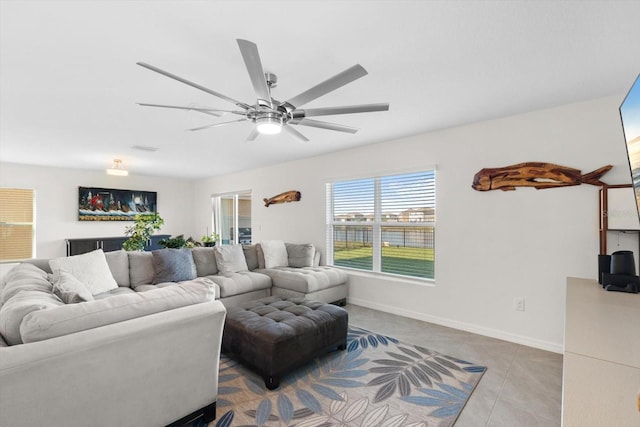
(535, 174)
(287, 196)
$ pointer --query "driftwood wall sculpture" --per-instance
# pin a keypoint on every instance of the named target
(287, 196)
(535, 174)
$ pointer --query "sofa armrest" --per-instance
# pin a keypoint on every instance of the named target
(150, 370)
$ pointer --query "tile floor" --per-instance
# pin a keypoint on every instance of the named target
(521, 388)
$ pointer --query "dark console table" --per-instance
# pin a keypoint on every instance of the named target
(107, 244)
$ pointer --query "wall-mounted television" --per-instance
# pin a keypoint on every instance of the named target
(630, 116)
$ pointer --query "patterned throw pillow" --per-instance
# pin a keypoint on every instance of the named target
(173, 265)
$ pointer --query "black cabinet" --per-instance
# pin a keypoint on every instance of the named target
(107, 244)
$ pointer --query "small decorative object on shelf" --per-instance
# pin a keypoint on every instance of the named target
(535, 174)
(287, 196)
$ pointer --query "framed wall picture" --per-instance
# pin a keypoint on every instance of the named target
(110, 204)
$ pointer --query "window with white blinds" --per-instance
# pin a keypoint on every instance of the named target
(16, 224)
(383, 224)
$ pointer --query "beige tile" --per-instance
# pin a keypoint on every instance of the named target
(522, 386)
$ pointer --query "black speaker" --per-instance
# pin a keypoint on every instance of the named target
(604, 266)
(622, 262)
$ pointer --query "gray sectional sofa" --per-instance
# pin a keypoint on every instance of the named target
(133, 338)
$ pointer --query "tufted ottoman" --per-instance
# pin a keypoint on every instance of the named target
(274, 335)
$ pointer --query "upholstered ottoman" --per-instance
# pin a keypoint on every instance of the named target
(273, 335)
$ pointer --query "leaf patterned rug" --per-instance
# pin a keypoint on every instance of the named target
(377, 381)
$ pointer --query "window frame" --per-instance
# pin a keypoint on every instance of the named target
(377, 224)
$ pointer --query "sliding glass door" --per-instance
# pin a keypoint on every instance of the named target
(232, 217)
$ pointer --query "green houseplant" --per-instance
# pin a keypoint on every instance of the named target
(210, 239)
(179, 242)
(140, 233)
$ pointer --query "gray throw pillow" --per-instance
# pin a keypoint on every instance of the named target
(118, 262)
(205, 260)
(251, 256)
(300, 255)
(230, 259)
(140, 268)
(69, 289)
(173, 265)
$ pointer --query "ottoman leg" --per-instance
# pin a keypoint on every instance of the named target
(343, 345)
(271, 382)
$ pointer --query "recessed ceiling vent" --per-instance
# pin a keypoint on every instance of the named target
(145, 148)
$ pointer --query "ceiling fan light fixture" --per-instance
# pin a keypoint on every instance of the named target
(117, 169)
(269, 124)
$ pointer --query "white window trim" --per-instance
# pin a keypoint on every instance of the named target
(376, 224)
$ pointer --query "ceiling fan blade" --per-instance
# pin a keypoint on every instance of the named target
(291, 131)
(331, 84)
(211, 111)
(324, 125)
(347, 109)
(217, 124)
(252, 61)
(192, 84)
(253, 135)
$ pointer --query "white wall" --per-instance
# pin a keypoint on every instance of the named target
(490, 246)
(57, 202)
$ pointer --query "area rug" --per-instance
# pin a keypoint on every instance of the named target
(377, 381)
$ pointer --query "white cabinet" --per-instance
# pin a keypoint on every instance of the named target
(601, 375)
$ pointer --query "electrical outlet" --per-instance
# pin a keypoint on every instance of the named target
(518, 304)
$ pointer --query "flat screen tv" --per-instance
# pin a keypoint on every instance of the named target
(630, 116)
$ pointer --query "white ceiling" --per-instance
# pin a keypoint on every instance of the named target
(69, 82)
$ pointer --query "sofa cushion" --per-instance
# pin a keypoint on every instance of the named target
(230, 259)
(13, 312)
(41, 263)
(118, 262)
(251, 256)
(307, 279)
(173, 265)
(66, 319)
(24, 277)
(205, 260)
(140, 268)
(69, 289)
(240, 283)
(120, 290)
(300, 255)
(90, 268)
(275, 253)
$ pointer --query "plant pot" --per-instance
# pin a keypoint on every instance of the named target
(209, 244)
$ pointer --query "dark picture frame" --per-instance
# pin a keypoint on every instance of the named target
(111, 204)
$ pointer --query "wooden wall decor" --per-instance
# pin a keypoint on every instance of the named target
(287, 196)
(535, 174)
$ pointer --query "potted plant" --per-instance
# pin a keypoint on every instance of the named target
(210, 239)
(179, 242)
(140, 233)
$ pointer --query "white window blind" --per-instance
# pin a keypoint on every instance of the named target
(16, 224)
(384, 224)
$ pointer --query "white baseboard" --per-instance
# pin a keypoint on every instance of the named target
(463, 326)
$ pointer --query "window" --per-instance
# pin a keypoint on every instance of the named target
(383, 224)
(16, 224)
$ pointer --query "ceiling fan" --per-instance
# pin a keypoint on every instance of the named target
(269, 114)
